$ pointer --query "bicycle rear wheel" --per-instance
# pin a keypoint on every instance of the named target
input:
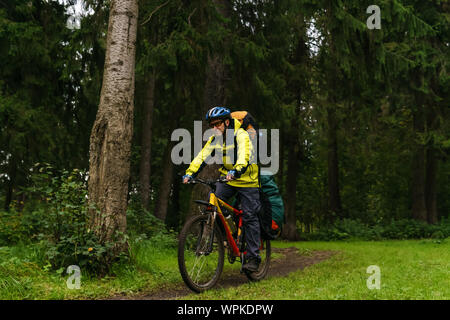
(200, 253)
(264, 252)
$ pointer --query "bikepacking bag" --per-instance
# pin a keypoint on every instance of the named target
(271, 215)
(248, 123)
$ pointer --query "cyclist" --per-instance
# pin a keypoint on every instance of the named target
(241, 174)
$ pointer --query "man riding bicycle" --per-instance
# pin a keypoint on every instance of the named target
(241, 174)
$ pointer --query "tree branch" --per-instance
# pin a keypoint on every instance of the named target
(151, 14)
(189, 18)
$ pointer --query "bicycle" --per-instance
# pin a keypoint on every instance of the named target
(204, 238)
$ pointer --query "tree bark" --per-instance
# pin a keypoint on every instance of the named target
(280, 178)
(334, 199)
(295, 150)
(431, 186)
(162, 203)
(419, 208)
(293, 166)
(146, 138)
(110, 142)
(432, 166)
(173, 214)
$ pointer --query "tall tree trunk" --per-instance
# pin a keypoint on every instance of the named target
(295, 150)
(431, 186)
(146, 138)
(419, 208)
(162, 203)
(293, 168)
(110, 142)
(173, 214)
(214, 95)
(334, 199)
(432, 167)
(280, 178)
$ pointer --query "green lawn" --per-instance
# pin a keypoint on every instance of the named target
(417, 269)
(413, 269)
(21, 277)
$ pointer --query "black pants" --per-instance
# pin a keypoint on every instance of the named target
(250, 204)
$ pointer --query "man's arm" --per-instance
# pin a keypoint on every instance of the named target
(244, 149)
(199, 161)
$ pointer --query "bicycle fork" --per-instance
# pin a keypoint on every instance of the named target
(207, 233)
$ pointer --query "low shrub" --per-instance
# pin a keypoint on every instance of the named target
(56, 215)
(346, 229)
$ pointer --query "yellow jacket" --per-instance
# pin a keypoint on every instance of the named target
(247, 173)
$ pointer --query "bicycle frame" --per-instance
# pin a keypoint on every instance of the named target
(217, 203)
(198, 228)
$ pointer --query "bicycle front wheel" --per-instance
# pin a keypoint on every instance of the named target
(200, 253)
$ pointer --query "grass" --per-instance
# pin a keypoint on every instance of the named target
(22, 277)
(410, 269)
(413, 269)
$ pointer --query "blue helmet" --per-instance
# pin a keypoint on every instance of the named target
(218, 113)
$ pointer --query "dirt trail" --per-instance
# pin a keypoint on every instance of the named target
(282, 266)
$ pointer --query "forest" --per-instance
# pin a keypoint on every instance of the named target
(360, 98)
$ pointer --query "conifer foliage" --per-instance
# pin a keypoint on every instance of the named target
(363, 112)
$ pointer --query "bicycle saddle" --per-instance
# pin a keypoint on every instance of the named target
(202, 202)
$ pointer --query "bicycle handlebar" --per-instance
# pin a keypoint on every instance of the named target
(209, 183)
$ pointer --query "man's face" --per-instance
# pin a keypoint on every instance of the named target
(219, 126)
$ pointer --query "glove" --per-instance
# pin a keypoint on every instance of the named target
(231, 173)
(187, 176)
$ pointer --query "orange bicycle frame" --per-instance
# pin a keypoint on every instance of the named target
(216, 202)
